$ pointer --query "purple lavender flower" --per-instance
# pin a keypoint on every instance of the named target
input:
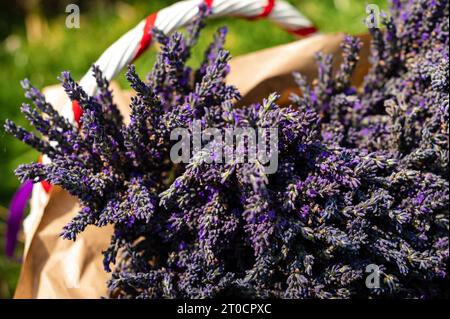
(362, 177)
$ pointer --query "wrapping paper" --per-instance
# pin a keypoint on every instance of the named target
(57, 268)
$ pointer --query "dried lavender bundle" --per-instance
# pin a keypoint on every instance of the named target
(361, 182)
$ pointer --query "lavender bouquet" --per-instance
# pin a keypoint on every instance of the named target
(358, 205)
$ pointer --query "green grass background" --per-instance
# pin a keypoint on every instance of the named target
(102, 22)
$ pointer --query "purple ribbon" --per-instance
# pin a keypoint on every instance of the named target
(16, 211)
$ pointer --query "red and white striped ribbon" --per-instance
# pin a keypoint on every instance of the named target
(132, 44)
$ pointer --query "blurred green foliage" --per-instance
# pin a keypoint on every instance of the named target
(58, 48)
